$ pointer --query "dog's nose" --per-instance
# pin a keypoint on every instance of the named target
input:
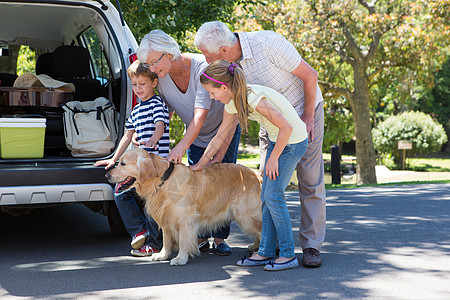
(107, 175)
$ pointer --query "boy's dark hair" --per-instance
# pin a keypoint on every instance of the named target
(138, 69)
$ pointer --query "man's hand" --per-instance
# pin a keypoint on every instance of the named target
(309, 121)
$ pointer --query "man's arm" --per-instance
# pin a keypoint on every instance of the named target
(309, 77)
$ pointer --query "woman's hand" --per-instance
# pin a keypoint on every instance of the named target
(176, 155)
(107, 162)
(272, 168)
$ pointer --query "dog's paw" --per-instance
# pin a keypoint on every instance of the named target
(158, 257)
(178, 261)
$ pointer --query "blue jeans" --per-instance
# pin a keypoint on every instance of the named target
(194, 153)
(276, 222)
(136, 220)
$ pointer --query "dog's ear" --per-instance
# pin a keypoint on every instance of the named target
(150, 167)
(145, 168)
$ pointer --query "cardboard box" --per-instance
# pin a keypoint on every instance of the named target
(22, 137)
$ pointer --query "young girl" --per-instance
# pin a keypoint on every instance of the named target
(288, 141)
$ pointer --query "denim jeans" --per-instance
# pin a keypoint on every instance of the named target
(194, 153)
(276, 222)
(136, 219)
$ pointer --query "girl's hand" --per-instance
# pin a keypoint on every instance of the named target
(272, 168)
(197, 167)
(107, 162)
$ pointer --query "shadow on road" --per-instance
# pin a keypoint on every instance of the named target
(381, 242)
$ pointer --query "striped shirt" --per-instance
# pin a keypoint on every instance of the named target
(268, 59)
(143, 119)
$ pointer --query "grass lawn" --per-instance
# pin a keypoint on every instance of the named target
(434, 163)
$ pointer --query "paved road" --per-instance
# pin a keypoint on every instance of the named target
(382, 243)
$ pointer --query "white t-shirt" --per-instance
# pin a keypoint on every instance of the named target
(281, 104)
(195, 97)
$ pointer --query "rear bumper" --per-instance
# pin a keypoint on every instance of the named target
(52, 194)
(50, 183)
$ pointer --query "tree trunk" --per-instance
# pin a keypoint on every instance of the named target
(365, 152)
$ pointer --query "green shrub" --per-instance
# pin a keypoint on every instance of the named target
(426, 135)
(176, 130)
(252, 136)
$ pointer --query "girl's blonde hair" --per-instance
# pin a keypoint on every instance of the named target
(233, 77)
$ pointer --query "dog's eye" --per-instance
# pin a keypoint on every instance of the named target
(122, 163)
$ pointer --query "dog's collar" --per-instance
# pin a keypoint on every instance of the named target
(167, 173)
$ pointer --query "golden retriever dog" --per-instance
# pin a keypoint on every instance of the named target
(185, 203)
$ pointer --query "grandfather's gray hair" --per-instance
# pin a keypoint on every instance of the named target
(158, 40)
(213, 35)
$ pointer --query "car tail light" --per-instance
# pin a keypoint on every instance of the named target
(132, 58)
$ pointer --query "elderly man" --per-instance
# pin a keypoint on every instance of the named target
(267, 58)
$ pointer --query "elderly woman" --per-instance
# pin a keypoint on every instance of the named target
(179, 85)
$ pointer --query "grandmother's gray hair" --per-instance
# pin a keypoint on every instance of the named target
(213, 35)
(158, 40)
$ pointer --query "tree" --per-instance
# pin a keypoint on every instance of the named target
(180, 19)
(357, 46)
(437, 101)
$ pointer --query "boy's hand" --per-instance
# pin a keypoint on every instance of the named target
(107, 162)
(150, 144)
(134, 140)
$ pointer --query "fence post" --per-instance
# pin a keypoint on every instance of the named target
(335, 165)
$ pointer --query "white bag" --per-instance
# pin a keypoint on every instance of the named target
(90, 127)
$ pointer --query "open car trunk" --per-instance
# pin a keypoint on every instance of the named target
(84, 46)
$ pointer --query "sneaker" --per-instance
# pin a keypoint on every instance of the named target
(311, 258)
(145, 250)
(138, 239)
(290, 264)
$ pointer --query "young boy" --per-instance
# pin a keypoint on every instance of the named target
(150, 121)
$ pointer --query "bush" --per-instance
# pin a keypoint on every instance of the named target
(252, 136)
(176, 130)
(426, 135)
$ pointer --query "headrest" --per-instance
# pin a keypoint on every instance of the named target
(44, 64)
(71, 62)
(7, 79)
